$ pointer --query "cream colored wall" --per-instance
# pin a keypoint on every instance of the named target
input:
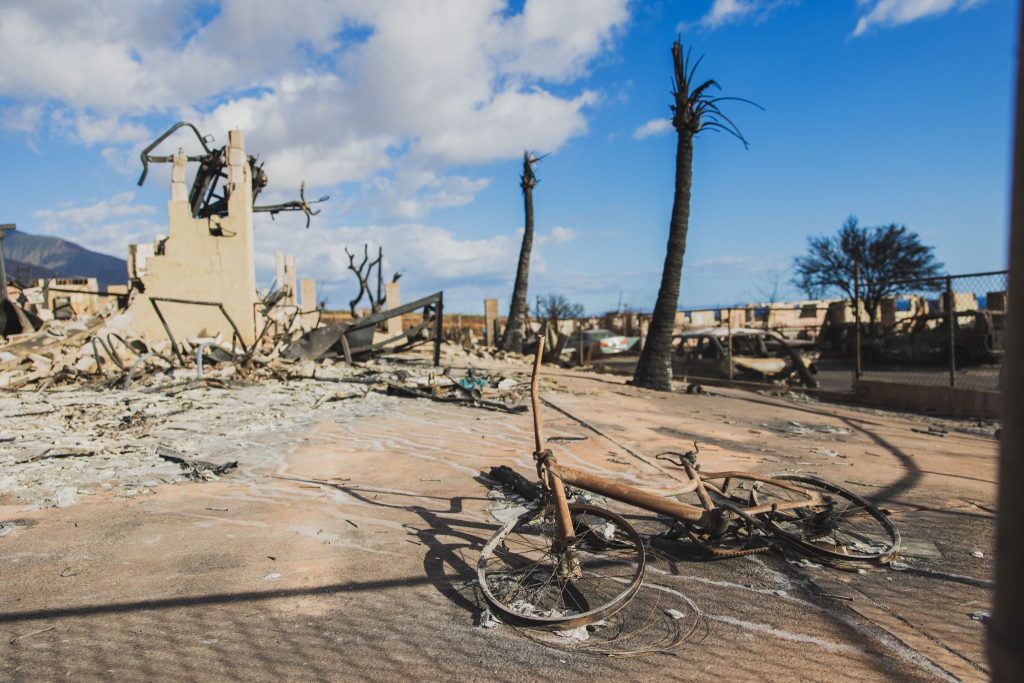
(201, 266)
(85, 303)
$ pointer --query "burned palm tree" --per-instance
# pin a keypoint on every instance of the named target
(693, 110)
(513, 336)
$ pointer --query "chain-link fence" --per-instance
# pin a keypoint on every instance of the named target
(945, 331)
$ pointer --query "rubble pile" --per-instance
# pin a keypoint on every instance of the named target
(88, 407)
(57, 446)
(468, 350)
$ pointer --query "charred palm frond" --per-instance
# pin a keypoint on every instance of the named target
(695, 110)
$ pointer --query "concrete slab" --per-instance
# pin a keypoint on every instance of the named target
(344, 547)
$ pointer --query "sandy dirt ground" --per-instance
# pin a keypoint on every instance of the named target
(344, 545)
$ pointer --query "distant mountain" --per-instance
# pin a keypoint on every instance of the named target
(26, 273)
(34, 256)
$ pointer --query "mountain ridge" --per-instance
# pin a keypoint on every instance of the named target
(46, 256)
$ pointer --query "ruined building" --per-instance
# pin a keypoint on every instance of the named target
(200, 278)
(208, 259)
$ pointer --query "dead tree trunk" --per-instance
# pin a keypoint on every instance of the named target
(363, 273)
(693, 110)
(513, 337)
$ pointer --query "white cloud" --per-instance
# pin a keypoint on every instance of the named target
(886, 13)
(724, 12)
(89, 130)
(21, 118)
(556, 40)
(329, 91)
(413, 193)
(653, 127)
(558, 235)
(429, 256)
(107, 226)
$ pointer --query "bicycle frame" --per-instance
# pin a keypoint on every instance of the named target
(554, 474)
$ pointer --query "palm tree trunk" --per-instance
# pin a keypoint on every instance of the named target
(513, 337)
(654, 369)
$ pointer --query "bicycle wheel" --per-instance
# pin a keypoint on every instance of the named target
(844, 526)
(529, 581)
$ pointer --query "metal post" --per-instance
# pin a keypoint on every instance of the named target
(579, 340)
(856, 319)
(728, 354)
(951, 333)
(3, 267)
(438, 328)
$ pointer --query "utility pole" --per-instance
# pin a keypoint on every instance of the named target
(4, 227)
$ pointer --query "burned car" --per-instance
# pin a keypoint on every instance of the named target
(924, 339)
(757, 355)
(598, 343)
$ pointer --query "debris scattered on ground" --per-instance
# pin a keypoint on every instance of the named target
(12, 641)
(977, 553)
(487, 619)
(529, 490)
(122, 431)
(58, 453)
(566, 439)
(931, 431)
(800, 429)
(983, 617)
(197, 470)
(492, 392)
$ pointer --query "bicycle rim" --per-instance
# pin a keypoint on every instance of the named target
(528, 581)
(844, 526)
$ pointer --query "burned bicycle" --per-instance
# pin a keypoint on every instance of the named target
(566, 565)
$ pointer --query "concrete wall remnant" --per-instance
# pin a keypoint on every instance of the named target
(80, 293)
(285, 276)
(392, 300)
(491, 331)
(202, 259)
(307, 294)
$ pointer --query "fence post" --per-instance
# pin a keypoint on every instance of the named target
(579, 339)
(856, 320)
(951, 333)
(729, 352)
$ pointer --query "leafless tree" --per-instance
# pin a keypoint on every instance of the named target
(364, 273)
(555, 307)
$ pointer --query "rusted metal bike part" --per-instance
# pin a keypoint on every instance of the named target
(813, 515)
(565, 565)
(530, 578)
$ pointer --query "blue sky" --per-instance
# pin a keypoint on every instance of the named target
(413, 117)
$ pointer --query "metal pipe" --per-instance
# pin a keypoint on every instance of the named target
(439, 328)
(950, 331)
(167, 329)
(729, 353)
(142, 359)
(566, 533)
(199, 358)
(631, 495)
(856, 317)
(535, 397)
